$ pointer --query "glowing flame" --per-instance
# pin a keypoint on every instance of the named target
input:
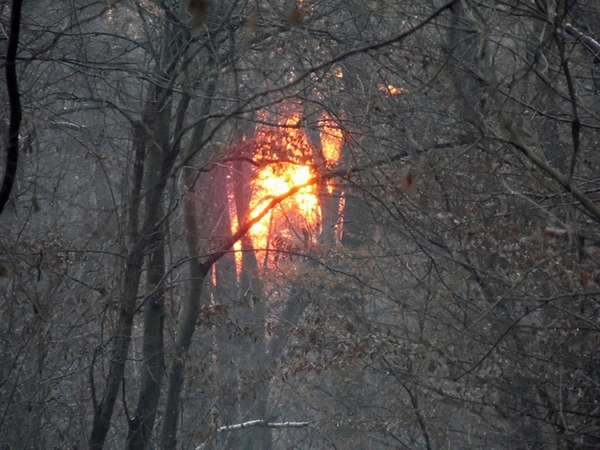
(390, 89)
(331, 142)
(286, 159)
(288, 162)
(331, 139)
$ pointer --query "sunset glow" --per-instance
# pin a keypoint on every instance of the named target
(331, 142)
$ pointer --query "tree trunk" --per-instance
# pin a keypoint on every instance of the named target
(142, 422)
(188, 314)
(251, 289)
(158, 99)
(12, 86)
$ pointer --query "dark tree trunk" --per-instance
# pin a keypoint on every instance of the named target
(12, 86)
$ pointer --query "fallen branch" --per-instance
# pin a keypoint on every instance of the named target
(261, 423)
(255, 424)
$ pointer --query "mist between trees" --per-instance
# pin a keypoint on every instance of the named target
(280, 224)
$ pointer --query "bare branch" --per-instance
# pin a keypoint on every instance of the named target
(255, 424)
(592, 44)
(261, 423)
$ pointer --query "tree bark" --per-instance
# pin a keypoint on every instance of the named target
(12, 86)
(142, 422)
(158, 99)
(188, 314)
(251, 288)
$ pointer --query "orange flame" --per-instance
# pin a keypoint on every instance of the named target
(331, 142)
(288, 161)
(288, 157)
(390, 89)
(331, 139)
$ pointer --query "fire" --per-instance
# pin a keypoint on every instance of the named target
(331, 142)
(289, 161)
(390, 89)
(331, 139)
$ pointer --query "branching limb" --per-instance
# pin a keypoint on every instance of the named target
(517, 141)
(314, 69)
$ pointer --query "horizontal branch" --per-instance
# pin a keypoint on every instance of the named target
(261, 423)
(256, 424)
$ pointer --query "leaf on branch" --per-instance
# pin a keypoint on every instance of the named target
(586, 277)
(214, 310)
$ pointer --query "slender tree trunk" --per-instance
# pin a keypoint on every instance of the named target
(142, 422)
(251, 288)
(158, 99)
(12, 149)
(188, 315)
(104, 409)
(227, 335)
(190, 308)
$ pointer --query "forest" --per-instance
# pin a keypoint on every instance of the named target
(300, 224)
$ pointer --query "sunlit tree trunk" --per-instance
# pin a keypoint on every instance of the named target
(253, 405)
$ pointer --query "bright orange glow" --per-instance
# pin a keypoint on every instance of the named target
(286, 159)
(237, 247)
(390, 89)
(331, 139)
(288, 156)
(331, 142)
